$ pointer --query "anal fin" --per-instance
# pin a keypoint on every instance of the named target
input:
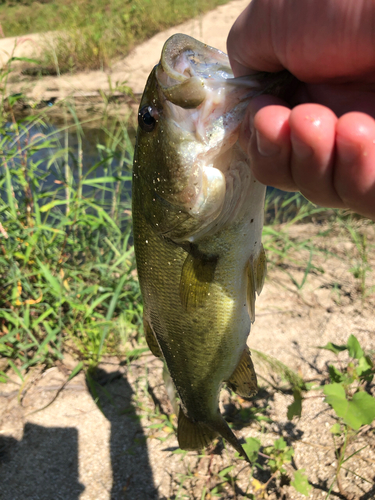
(151, 340)
(193, 435)
(244, 380)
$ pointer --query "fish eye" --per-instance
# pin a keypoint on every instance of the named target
(147, 118)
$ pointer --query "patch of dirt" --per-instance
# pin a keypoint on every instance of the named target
(111, 438)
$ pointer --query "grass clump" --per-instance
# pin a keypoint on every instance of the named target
(90, 33)
(67, 269)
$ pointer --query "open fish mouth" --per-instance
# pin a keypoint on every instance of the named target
(200, 108)
(200, 94)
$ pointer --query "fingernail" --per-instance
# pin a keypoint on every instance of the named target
(265, 146)
(300, 149)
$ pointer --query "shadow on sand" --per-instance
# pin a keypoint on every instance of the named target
(44, 464)
(131, 471)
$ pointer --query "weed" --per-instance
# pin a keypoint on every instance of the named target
(349, 395)
(361, 267)
(346, 394)
(67, 269)
(282, 249)
(294, 382)
(276, 458)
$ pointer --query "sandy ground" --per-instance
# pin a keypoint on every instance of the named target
(115, 444)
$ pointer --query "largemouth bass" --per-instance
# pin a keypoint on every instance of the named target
(198, 217)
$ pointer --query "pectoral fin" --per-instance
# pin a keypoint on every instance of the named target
(244, 380)
(196, 277)
(193, 435)
(151, 340)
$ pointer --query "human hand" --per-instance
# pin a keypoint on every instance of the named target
(325, 145)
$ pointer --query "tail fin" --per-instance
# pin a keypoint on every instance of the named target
(193, 435)
(197, 435)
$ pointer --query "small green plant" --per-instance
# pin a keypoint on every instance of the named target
(294, 383)
(277, 457)
(347, 395)
(283, 251)
(361, 267)
(166, 424)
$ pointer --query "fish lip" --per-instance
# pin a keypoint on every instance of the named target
(171, 50)
(195, 77)
(179, 43)
(179, 74)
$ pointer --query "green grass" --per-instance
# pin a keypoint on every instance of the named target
(92, 32)
(67, 269)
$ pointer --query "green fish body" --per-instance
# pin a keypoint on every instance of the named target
(197, 218)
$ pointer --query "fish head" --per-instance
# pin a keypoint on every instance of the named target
(189, 117)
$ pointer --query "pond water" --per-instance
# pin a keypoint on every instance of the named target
(84, 154)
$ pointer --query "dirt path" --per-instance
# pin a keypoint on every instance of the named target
(211, 28)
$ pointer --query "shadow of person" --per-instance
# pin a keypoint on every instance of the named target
(131, 471)
(42, 465)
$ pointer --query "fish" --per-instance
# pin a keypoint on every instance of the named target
(197, 223)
